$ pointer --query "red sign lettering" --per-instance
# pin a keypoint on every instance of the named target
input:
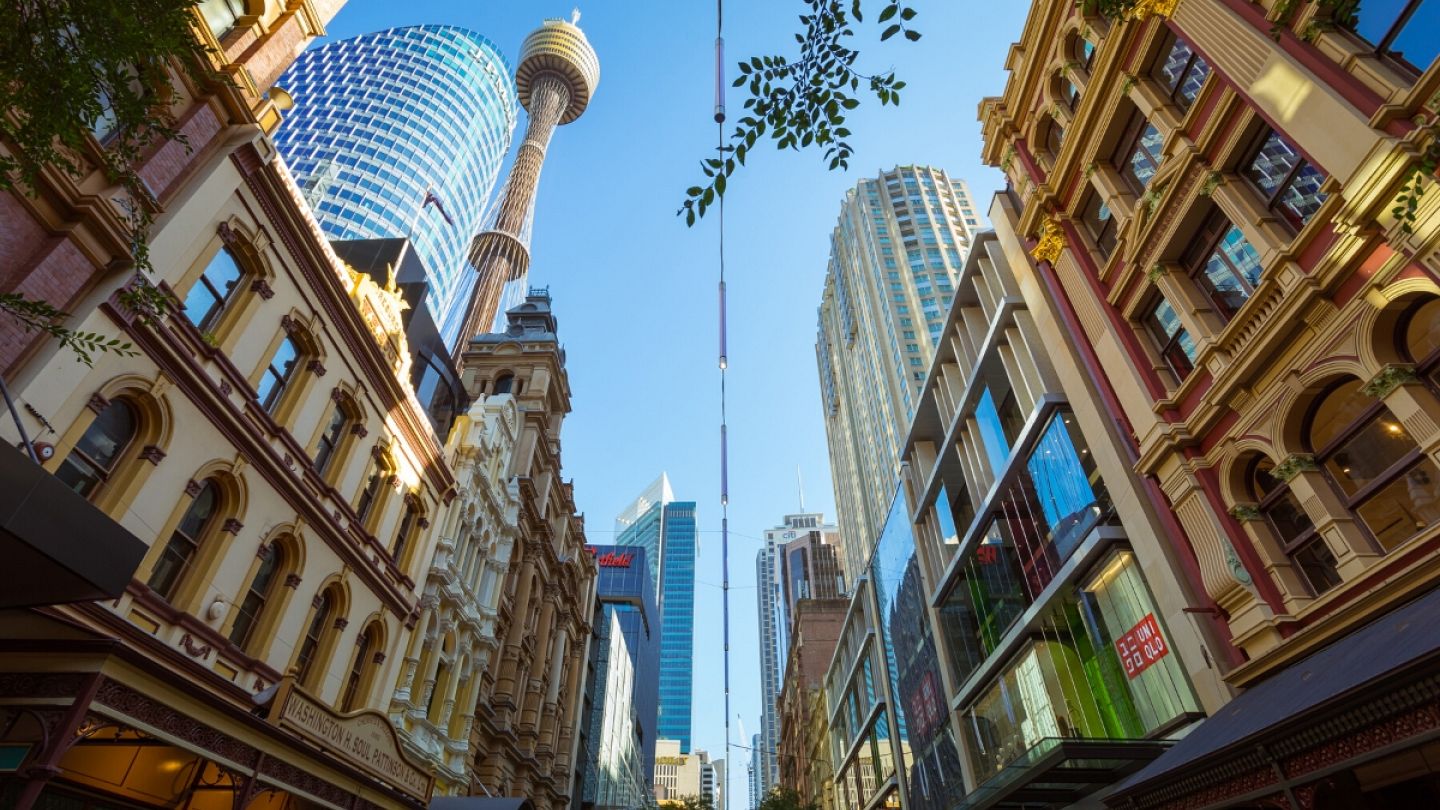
(611, 559)
(1141, 646)
(987, 555)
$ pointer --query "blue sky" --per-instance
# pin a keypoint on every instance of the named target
(635, 290)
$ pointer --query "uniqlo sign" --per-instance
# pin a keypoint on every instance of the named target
(1141, 646)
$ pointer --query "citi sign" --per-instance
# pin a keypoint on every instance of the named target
(611, 559)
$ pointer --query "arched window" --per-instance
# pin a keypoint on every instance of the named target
(260, 593)
(503, 384)
(213, 290)
(332, 440)
(373, 491)
(1054, 138)
(1292, 527)
(409, 525)
(185, 541)
(1380, 472)
(1069, 93)
(96, 455)
(221, 15)
(353, 696)
(311, 645)
(278, 374)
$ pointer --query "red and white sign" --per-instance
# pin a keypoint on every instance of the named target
(1141, 646)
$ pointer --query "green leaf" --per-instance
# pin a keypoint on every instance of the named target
(912, 35)
(907, 14)
(887, 13)
(890, 32)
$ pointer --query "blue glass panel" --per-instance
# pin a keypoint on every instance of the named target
(992, 432)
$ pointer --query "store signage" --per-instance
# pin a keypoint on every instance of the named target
(1141, 646)
(987, 555)
(364, 739)
(611, 559)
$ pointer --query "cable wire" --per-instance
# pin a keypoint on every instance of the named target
(724, 364)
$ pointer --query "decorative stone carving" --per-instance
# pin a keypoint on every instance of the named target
(1294, 465)
(1212, 182)
(1391, 377)
(192, 488)
(1052, 242)
(289, 324)
(342, 623)
(232, 526)
(358, 429)
(194, 650)
(97, 403)
(316, 367)
(152, 454)
(1245, 511)
(225, 389)
(262, 288)
(1237, 568)
(263, 552)
(292, 581)
(228, 236)
(1154, 273)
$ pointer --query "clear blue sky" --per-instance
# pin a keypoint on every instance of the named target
(635, 291)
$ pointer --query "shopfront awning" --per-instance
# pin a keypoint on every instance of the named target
(56, 545)
(478, 803)
(1058, 772)
(1376, 660)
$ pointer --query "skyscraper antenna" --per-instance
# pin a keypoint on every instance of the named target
(800, 483)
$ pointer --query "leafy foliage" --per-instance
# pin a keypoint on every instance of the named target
(803, 103)
(783, 798)
(76, 71)
(40, 316)
(694, 803)
(1407, 203)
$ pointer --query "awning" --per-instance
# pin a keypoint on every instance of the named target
(1058, 772)
(479, 803)
(1390, 649)
(56, 545)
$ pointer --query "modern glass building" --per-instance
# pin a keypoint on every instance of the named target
(617, 751)
(895, 255)
(401, 133)
(666, 529)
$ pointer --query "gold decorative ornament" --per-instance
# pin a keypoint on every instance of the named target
(1052, 242)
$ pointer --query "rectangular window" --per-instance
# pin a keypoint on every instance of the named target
(1100, 223)
(1138, 157)
(1182, 73)
(1289, 183)
(277, 374)
(1224, 263)
(1175, 343)
(1404, 30)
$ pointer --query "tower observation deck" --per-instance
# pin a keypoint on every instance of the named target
(557, 74)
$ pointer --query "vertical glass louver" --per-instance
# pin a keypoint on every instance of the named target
(401, 133)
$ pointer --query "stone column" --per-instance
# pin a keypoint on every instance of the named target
(412, 653)
(530, 707)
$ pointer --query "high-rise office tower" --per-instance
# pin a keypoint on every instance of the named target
(896, 251)
(620, 733)
(799, 560)
(665, 528)
(753, 772)
(558, 73)
(401, 134)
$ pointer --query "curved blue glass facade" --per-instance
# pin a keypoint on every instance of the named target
(401, 133)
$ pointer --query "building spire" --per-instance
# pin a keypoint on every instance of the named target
(800, 484)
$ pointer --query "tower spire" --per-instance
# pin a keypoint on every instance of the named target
(558, 73)
(800, 484)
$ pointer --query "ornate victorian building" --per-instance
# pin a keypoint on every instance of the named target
(530, 697)
(1223, 201)
(261, 441)
(455, 639)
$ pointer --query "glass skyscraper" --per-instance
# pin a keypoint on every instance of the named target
(666, 529)
(401, 133)
(895, 255)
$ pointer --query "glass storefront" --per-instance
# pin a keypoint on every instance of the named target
(1038, 524)
(931, 760)
(1100, 667)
